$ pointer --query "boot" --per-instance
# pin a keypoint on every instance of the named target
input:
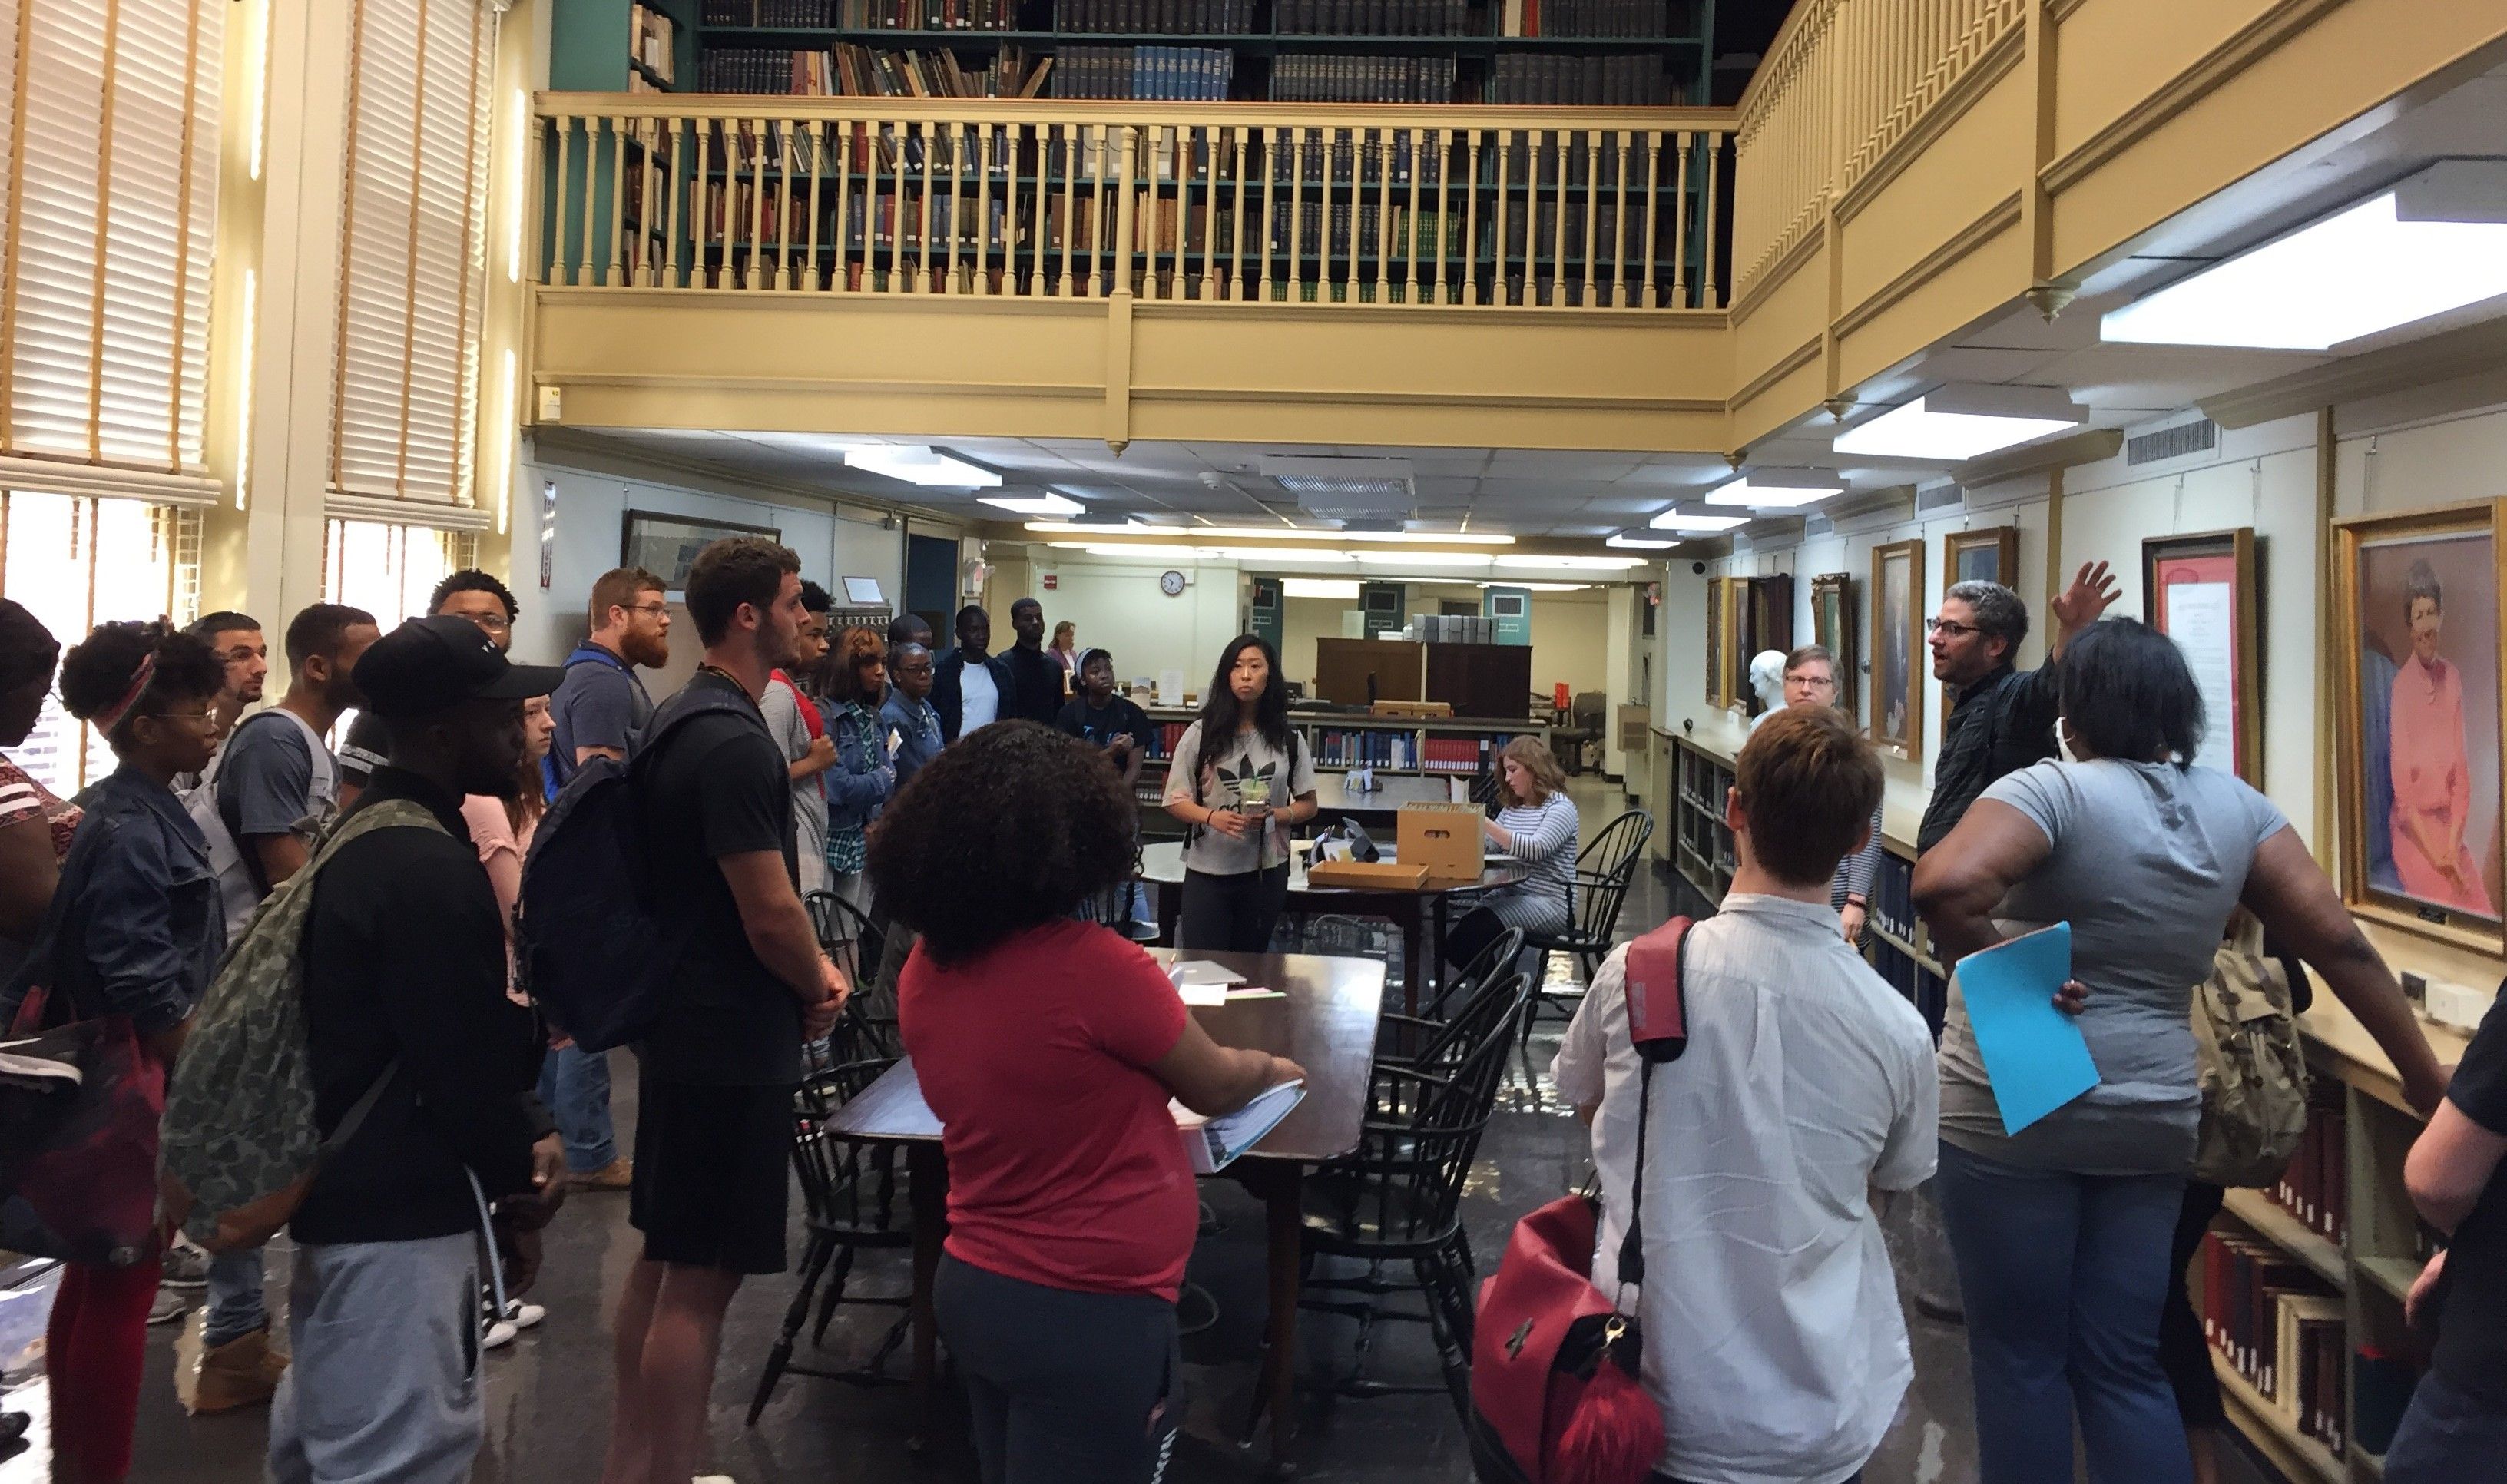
(241, 1373)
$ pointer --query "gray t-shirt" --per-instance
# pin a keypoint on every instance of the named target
(598, 705)
(781, 706)
(1247, 770)
(266, 786)
(2146, 862)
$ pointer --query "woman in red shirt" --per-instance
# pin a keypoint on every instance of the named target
(1049, 1048)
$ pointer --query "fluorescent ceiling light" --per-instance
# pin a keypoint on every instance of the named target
(1572, 563)
(1046, 504)
(1777, 490)
(2385, 262)
(1423, 558)
(920, 466)
(1103, 528)
(1277, 554)
(1165, 553)
(1691, 524)
(1319, 587)
(1539, 587)
(1961, 423)
(1290, 534)
(1631, 541)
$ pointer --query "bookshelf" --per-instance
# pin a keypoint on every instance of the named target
(1574, 53)
(1443, 748)
(622, 46)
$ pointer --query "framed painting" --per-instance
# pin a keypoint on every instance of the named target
(1991, 554)
(1897, 725)
(2202, 591)
(1832, 628)
(2419, 669)
(667, 545)
(1716, 668)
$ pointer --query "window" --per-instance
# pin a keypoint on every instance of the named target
(75, 561)
(110, 144)
(405, 384)
(390, 571)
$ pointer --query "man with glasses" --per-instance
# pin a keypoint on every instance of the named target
(469, 594)
(601, 704)
(1810, 679)
(2000, 719)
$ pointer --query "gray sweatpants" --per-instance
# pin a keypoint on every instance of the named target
(385, 1382)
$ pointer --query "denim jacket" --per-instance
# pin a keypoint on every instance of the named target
(135, 928)
(862, 779)
(917, 727)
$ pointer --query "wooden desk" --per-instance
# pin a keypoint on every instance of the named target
(1162, 864)
(1380, 805)
(1326, 1024)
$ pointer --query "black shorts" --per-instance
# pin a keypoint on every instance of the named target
(713, 1174)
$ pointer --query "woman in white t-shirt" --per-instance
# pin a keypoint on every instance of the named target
(1241, 781)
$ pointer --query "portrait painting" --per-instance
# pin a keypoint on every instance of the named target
(1983, 556)
(1832, 629)
(1716, 668)
(1897, 724)
(2418, 719)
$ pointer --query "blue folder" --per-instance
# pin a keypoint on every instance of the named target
(2033, 1052)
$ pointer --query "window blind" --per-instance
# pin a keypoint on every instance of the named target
(110, 148)
(405, 386)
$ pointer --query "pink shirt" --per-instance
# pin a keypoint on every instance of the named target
(2432, 782)
(500, 851)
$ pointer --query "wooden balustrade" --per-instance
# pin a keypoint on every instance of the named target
(1468, 208)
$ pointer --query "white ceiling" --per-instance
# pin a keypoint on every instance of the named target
(1593, 494)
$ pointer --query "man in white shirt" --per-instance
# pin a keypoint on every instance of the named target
(968, 684)
(1774, 1340)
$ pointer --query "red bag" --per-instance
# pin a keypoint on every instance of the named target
(79, 1103)
(1556, 1397)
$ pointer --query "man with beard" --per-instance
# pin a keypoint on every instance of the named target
(237, 640)
(602, 704)
(471, 594)
(713, 1124)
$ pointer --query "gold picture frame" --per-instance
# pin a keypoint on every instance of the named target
(1897, 724)
(1991, 554)
(2420, 671)
(1716, 668)
(1832, 629)
(2204, 590)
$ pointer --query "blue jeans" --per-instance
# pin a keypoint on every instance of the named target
(2447, 1437)
(235, 1302)
(2064, 1277)
(575, 1084)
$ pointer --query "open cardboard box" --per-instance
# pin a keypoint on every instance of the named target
(1444, 837)
(1366, 876)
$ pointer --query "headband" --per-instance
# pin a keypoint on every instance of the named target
(115, 714)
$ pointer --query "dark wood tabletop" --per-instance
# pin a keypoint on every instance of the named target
(1326, 1024)
(1162, 864)
(1335, 796)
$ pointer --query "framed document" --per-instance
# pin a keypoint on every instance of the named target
(2201, 591)
(1897, 724)
(2416, 719)
(667, 545)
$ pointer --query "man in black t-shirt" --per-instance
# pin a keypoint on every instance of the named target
(713, 1124)
(1103, 721)
(2456, 1428)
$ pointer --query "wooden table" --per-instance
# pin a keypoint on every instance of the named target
(1381, 806)
(1326, 1024)
(1162, 865)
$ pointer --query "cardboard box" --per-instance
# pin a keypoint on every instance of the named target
(1445, 838)
(1412, 709)
(1365, 876)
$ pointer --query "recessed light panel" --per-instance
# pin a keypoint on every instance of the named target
(1776, 490)
(1955, 424)
(920, 466)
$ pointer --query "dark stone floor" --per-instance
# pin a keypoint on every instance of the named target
(549, 1395)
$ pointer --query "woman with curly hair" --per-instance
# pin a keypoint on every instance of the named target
(1241, 781)
(134, 930)
(1049, 1048)
(853, 686)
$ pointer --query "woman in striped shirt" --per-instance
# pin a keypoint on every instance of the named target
(1810, 679)
(1538, 826)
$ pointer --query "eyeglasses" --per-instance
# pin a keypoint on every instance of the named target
(1948, 629)
(1813, 682)
(493, 625)
(648, 607)
(208, 716)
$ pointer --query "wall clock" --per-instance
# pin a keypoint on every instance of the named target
(1171, 583)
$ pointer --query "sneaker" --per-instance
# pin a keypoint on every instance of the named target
(241, 1373)
(186, 1267)
(170, 1305)
(524, 1316)
(617, 1175)
(500, 1335)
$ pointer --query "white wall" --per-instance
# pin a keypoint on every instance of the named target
(1120, 607)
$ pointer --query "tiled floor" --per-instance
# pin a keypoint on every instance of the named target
(549, 1395)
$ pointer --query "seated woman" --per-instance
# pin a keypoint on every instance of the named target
(2061, 1232)
(1538, 825)
(1049, 1048)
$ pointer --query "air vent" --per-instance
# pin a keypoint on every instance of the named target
(2196, 437)
(1939, 498)
(1818, 526)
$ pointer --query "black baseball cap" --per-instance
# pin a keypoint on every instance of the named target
(429, 664)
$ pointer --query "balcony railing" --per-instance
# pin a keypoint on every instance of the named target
(1496, 208)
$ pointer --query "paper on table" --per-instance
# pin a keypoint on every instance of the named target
(2034, 1054)
(1202, 997)
(1214, 1144)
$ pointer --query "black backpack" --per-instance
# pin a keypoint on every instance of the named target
(594, 949)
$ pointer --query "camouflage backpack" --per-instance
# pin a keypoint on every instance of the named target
(239, 1146)
(2253, 1071)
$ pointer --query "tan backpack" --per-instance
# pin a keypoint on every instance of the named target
(2253, 1071)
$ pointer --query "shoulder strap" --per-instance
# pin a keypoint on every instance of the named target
(1658, 1024)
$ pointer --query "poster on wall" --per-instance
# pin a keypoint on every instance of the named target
(667, 545)
(1832, 628)
(2417, 720)
(1897, 649)
(2201, 591)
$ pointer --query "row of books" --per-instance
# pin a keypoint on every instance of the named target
(1188, 17)
(1371, 749)
(1892, 908)
(1635, 81)
(1375, 18)
(2315, 1188)
(1197, 74)
(1363, 79)
(855, 71)
(1928, 992)
(2280, 1327)
(654, 39)
(864, 15)
(1438, 753)
(1585, 17)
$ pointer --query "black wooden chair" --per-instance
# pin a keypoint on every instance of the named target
(1399, 1198)
(857, 942)
(1604, 870)
(1415, 1040)
(855, 1196)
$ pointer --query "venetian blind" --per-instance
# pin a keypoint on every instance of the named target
(405, 384)
(109, 146)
